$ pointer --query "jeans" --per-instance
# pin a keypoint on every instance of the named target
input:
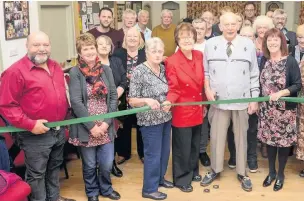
(43, 158)
(4, 156)
(100, 157)
(156, 141)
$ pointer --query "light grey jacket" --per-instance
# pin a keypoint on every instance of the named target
(79, 99)
(232, 77)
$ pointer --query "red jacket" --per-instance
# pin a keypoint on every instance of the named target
(186, 84)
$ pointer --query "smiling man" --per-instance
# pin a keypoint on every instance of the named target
(32, 92)
(231, 72)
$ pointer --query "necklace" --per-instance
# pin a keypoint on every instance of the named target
(155, 71)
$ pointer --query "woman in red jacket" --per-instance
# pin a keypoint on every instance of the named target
(185, 75)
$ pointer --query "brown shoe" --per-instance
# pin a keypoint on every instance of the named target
(65, 199)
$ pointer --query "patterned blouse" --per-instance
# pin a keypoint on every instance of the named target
(96, 105)
(145, 84)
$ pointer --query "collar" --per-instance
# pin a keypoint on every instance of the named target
(139, 29)
(233, 42)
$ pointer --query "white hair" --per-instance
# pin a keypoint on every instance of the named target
(279, 12)
(166, 11)
(142, 12)
(262, 20)
(128, 11)
(152, 43)
(228, 14)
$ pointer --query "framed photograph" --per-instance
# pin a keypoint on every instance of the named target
(128, 4)
(136, 6)
(120, 10)
(16, 19)
(273, 5)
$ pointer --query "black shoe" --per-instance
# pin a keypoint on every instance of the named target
(167, 184)
(246, 183)
(155, 196)
(301, 173)
(186, 189)
(113, 196)
(232, 163)
(253, 166)
(205, 160)
(122, 161)
(268, 181)
(94, 198)
(116, 171)
(209, 178)
(278, 185)
(197, 178)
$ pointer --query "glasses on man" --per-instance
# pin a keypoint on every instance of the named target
(280, 18)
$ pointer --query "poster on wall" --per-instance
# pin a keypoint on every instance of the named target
(16, 19)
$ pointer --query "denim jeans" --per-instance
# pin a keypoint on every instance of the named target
(97, 158)
(4, 156)
(156, 141)
(43, 158)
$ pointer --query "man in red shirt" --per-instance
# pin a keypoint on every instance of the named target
(32, 92)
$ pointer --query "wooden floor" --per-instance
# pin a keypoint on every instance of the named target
(130, 185)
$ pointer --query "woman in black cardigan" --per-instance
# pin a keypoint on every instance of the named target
(131, 54)
(279, 77)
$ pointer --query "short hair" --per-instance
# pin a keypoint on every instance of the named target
(128, 11)
(250, 3)
(108, 40)
(277, 33)
(166, 11)
(247, 29)
(106, 8)
(226, 9)
(262, 20)
(152, 43)
(85, 39)
(142, 12)
(227, 14)
(279, 12)
(141, 41)
(300, 30)
(198, 20)
(188, 20)
(184, 26)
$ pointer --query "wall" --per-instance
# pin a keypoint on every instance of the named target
(17, 45)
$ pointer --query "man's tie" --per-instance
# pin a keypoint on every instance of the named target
(229, 50)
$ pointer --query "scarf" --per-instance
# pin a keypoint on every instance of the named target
(93, 76)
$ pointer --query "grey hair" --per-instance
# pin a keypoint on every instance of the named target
(166, 11)
(198, 20)
(153, 43)
(128, 11)
(279, 12)
(142, 12)
(262, 20)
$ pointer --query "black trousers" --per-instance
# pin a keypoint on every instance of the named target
(185, 154)
(251, 139)
(123, 141)
(43, 158)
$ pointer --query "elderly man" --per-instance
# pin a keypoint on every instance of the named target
(165, 31)
(231, 72)
(279, 20)
(32, 92)
(250, 11)
(106, 19)
(143, 20)
(209, 18)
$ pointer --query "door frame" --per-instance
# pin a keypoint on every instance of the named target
(70, 20)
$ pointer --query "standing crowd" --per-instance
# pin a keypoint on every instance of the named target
(197, 60)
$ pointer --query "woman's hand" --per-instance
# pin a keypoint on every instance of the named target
(167, 106)
(276, 96)
(152, 103)
(104, 128)
(95, 131)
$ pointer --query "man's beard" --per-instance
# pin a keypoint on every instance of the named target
(104, 26)
(37, 60)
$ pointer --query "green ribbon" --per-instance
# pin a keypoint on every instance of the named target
(147, 108)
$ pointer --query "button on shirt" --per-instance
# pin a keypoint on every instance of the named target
(147, 32)
(29, 93)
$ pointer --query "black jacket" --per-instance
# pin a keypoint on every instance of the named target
(119, 72)
(293, 79)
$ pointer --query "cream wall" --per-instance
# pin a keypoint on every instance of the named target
(12, 50)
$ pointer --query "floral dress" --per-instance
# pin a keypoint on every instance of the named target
(96, 105)
(277, 126)
(300, 144)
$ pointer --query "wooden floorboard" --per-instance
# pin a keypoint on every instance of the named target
(130, 185)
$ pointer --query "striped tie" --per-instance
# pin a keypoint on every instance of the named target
(229, 51)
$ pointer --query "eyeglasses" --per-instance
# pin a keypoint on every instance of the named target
(280, 18)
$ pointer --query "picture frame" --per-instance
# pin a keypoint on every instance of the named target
(16, 19)
(136, 6)
(273, 5)
(120, 10)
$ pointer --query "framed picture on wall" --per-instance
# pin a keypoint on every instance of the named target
(136, 6)
(120, 10)
(273, 5)
(16, 19)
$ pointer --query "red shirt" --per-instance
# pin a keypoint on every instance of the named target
(29, 93)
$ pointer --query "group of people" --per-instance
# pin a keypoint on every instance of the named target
(196, 60)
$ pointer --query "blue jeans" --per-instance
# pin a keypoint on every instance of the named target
(156, 141)
(4, 156)
(101, 158)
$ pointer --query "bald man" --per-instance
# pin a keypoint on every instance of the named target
(32, 92)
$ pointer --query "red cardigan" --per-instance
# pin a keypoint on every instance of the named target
(186, 84)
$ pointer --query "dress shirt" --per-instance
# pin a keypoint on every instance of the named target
(147, 32)
(29, 93)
